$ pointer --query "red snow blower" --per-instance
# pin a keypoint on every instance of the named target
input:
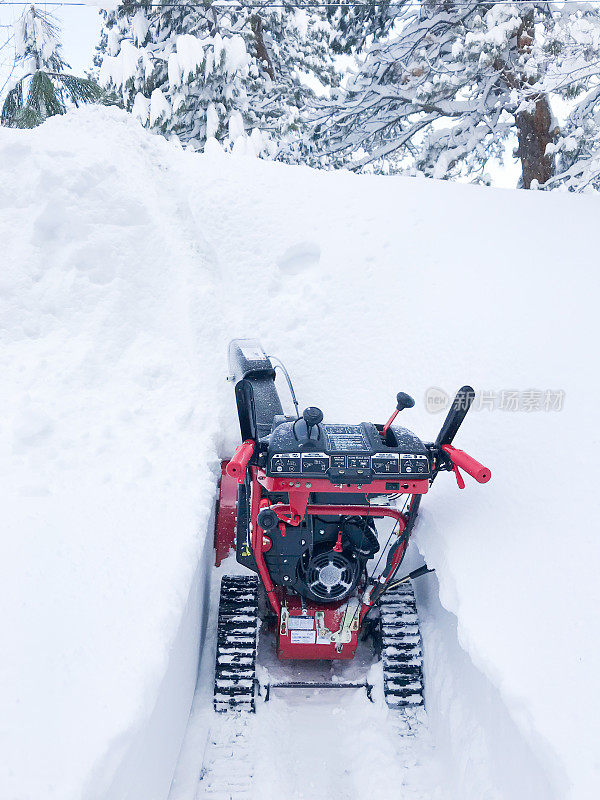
(300, 502)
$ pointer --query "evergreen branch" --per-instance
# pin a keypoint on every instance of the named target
(79, 90)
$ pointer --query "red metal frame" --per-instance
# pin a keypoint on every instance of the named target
(310, 650)
(293, 512)
(226, 515)
(298, 492)
(257, 544)
(388, 485)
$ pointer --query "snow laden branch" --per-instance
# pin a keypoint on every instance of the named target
(445, 87)
(239, 76)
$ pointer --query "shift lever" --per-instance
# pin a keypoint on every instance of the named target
(403, 401)
(312, 416)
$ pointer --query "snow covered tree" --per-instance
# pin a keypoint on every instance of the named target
(41, 87)
(450, 84)
(575, 73)
(241, 75)
(353, 24)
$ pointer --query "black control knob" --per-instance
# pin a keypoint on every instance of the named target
(267, 519)
(404, 401)
(313, 416)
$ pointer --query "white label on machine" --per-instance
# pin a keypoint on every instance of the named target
(323, 637)
(253, 353)
(303, 637)
(301, 623)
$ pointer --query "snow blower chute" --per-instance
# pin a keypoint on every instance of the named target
(300, 502)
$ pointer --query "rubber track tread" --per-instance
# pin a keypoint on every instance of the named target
(402, 655)
(237, 632)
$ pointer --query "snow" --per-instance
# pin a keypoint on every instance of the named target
(139, 27)
(190, 55)
(174, 70)
(103, 493)
(135, 263)
(219, 47)
(122, 67)
(235, 126)
(141, 108)
(160, 108)
(236, 57)
(212, 121)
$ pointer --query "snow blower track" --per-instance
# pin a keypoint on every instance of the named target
(237, 631)
(314, 743)
(402, 653)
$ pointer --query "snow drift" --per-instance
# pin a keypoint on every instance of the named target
(127, 265)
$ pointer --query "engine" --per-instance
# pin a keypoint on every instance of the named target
(324, 558)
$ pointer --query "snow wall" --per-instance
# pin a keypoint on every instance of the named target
(127, 266)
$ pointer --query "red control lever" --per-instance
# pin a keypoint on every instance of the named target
(388, 423)
(464, 461)
(236, 468)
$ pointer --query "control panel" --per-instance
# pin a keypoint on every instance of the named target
(344, 453)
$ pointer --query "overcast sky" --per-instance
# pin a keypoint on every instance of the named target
(81, 31)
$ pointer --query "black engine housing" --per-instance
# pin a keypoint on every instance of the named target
(316, 561)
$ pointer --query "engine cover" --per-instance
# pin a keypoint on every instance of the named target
(322, 560)
(327, 576)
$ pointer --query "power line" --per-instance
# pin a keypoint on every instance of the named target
(240, 4)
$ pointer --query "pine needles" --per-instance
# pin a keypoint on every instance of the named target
(43, 89)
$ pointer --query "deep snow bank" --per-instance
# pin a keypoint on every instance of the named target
(107, 460)
(133, 265)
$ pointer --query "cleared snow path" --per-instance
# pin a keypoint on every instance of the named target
(304, 744)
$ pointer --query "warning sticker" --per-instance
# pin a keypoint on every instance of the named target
(253, 353)
(345, 437)
(301, 623)
(303, 637)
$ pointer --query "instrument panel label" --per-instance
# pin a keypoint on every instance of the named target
(411, 463)
(315, 462)
(345, 437)
(385, 463)
(285, 462)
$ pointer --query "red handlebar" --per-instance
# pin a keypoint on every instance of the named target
(236, 468)
(473, 468)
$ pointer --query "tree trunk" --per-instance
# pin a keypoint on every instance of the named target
(261, 49)
(534, 128)
(535, 132)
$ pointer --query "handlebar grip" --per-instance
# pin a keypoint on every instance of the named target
(468, 463)
(458, 411)
(236, 468)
